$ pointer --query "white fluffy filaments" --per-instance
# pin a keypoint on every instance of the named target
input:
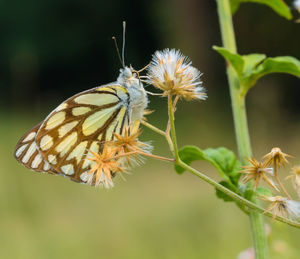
(173, 73)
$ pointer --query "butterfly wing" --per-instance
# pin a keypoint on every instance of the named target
(27, 153)
(83, 122)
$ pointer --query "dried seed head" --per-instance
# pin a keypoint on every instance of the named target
(258, 171)
(282, 206)
(172, 72)
(276, 157)
(104, 168)
(128, 142)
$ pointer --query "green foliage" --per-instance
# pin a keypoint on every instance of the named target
(289, 65)
(252, 67)
(262, 191)
(188, 154)
(278, 6)
(223, 196)
(221, 158)
(225, 162)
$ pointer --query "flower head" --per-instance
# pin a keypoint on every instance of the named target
(257, 171)
(128, 142)
(277, 157)
(104, 168)
(172, 72)
(295, 177)
(282, 206)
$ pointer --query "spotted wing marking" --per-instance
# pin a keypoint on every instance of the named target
(27, 153)
(82, 123)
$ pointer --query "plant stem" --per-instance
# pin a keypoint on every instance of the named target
(244, 203)
(161, 132)
(240, 122)
(238, 198)
(172, 124)
(137, 152)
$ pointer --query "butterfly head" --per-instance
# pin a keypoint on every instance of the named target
(128, 77)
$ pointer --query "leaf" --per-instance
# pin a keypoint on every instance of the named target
(251, 61)
(250, 68)
(225, 161)
(278, 6)
(223, 196)
(221, 158)
(262, 191)
(233, 59)
(289, 65)
(188, 154)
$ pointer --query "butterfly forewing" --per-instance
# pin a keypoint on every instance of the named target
(27, 153)
(82, 124)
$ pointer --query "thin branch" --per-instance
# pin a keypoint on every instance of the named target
(237, 197)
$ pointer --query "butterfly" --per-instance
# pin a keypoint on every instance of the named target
(81, 125)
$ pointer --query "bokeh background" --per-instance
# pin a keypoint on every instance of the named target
(52, 49)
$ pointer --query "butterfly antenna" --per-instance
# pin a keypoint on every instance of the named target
(123, 47)
(117, 48)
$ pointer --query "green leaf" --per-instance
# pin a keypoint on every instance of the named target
(289, 65)
(250, 68)
(222, 195)
(251, 62)
(221, 158)
(225, 161)
(263, 191)
(188, 154)
(278, 6)
(233, 59)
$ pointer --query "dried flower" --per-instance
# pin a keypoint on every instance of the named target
(257, 171)
(295, 177)
(104, 168)
(128, 142)
(277, 157)
(282, 206)
(172, 72)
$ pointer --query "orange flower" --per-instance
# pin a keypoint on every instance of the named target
(104, 168)
(128, 142)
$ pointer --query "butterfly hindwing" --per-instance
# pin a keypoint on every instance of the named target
(27, 153)
(80, 124)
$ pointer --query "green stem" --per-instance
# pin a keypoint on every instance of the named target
(161, 132)
(246, 203)
(172, 124)
(240, 122)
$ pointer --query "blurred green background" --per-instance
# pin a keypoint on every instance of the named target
(50, 50)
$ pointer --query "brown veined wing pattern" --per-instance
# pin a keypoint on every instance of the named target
(79, 125)
(28, 154)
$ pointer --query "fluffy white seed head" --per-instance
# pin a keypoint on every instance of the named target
(172, 72)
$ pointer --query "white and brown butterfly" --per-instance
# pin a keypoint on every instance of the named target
(82, 123)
